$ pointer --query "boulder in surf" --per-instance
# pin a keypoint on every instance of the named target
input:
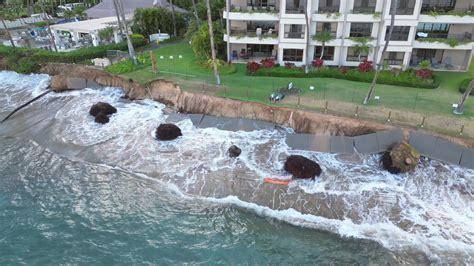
(234, 151)
(402, 158)
(168, 132)
(301, 167)
(102, 107)
(101, 118)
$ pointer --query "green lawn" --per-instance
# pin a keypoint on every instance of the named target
(241, 86)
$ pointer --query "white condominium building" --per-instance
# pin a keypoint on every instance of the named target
(440, 31)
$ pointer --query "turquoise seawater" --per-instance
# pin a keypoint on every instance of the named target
(55, 211)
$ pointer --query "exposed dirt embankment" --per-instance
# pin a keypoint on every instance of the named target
(189, 102)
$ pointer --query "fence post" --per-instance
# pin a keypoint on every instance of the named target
(389, 116)
(357, 112)
(225, 92)
(298, 101)
(462, 130)
(416, 99)
(326, 107)
(423, 122)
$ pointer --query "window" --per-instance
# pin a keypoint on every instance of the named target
(294, 31)
(405, 7)
(439, 5)
(361, 30)
(432, 30)
(328, 52)
(328, 6)
(353, 55)
(394, 58)
(400, 33)
(295, 6)
(327, 26)
(294, 55)
(364, 6)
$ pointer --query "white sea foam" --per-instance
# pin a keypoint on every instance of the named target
(430, 210)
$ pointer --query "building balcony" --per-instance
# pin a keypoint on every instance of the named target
(441, 59)
(363, 10)
(328, 9)
(256, 36)
(254, 15)
(294, 35)
(443, 41)
(449, 17)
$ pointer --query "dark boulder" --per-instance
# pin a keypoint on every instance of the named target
(401, 159)
(168, 132)
(101, 107)
(101, 118)
(234, 151)
(302, 167)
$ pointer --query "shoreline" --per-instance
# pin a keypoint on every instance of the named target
(67, 77)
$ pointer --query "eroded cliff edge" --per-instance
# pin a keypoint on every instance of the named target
(170, 94)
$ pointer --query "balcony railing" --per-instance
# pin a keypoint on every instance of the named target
(444, 35)
(355, 58)
(294, 35)
(328, 9)
(363, 10)
(255, 9)
(290, 10)
(443, 10)
(393, 61)
(360, 34)
(405, 11)
(333, 33)
(252, 33)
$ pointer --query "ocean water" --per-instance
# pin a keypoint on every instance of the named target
(74, 192)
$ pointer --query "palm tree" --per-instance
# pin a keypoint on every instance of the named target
(362, 46)
(6, 15)
(213, 50)
(68, 14)
(323, 37)
(378, 67)
(80, 11)
(460, 108)
(198, 22)
(121, 14)
(306, 18)
(50, 32)
(173, 17)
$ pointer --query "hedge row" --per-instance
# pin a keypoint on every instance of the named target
(76, 56)
(406, 78)
(463, 86)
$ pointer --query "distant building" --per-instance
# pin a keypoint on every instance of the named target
(106, 7)
(276, 28)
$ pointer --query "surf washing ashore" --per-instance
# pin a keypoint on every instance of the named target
(100, 191)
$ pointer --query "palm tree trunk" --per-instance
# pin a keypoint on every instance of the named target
(306, 18)
(460, 108)
(213, 50)
(131, 50)
(198, 22)
(379, 63)
(8, 33)
(119, 20)
(173, 17)
(323, 44)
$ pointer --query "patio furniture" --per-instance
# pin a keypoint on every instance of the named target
(243, 54)
(259, 32)
(434, 63)
(448, 62)
(234, 55)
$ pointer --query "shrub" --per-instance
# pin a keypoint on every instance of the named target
(425, 64)
(268, 62)
(463, 86)
(343, 70)
(317, 63)
(406, 78)
(365, 66)
(424, 73)
(252, 67)
(289, 65)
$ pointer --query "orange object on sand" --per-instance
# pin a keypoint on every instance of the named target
(276, 181)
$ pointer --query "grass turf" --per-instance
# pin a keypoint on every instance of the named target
(240, 86)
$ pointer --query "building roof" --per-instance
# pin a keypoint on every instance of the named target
(106, 7)
(87, 26)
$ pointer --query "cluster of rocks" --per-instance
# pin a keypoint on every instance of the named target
(102, 111)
